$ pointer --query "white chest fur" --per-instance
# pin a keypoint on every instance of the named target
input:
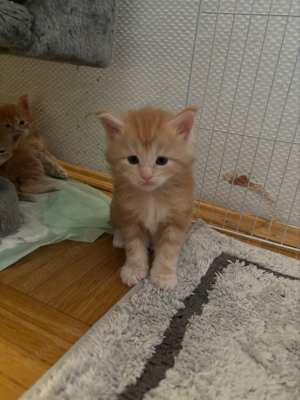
(154, 212)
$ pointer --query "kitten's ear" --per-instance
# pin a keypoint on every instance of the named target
(24, 103)
(184, 122)
(111, 123)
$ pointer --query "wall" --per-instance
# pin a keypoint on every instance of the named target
(151, 65)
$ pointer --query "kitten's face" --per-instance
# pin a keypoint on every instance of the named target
(16, 117)
(148, 147)
(7, 145)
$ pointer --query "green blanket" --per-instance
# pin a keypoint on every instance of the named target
(77, 212)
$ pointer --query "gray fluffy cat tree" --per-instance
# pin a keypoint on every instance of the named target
(76, 31)
(9, 208)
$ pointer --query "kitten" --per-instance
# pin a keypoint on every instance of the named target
(150, 154)
(18, 118)
(19, 164)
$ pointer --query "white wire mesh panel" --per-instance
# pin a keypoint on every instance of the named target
(246, 79)
(279, 7)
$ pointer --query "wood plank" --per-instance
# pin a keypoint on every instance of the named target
(101, 300)
(98, 277)
(41, 314)
(73, 272)
(55, 263)
(88, 176)
(20, 365)
(36, 340)
(247, 223)
(9, 390)
(38, 258)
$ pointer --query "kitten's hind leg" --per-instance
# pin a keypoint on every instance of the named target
(26, 197)
(119, 240)
(51, 163)
(136, 267)
(42, 185)
(163, 273)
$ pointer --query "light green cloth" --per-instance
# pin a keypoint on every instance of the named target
(77, 212)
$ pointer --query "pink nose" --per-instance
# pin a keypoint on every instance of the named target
(147, 177)
(146, 173)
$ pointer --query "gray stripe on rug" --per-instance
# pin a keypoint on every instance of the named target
(165, 353)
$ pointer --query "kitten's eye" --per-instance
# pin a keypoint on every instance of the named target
(8, 126)
(22, 122)
(161, 160)
(2, 151)
(133, 160)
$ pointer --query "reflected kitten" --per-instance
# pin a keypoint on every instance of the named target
(150, 154)
(18, 118)
(20, 165)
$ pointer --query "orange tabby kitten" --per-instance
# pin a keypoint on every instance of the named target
(20, 165)
(150, 154)
(18, 118)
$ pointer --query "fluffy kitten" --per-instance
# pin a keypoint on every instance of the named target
(19, 164)
(150, 154)
(18, 118)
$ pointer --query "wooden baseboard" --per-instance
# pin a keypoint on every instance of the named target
(88, 176)
(104, 183)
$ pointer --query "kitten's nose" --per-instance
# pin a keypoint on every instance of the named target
(146, 174)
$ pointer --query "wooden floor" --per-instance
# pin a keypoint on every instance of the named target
(51, 297)
(48, 300)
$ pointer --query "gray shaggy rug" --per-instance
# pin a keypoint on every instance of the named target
(230, 330)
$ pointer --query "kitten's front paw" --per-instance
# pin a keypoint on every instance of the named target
(164, 282)
(132, 275)
(57, 185)
(59, 172)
